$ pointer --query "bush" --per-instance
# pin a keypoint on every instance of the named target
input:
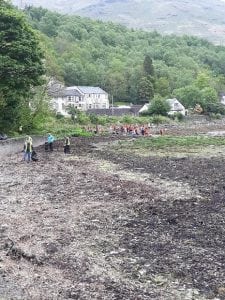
(82, 119)
(177, 116)
(127, 119)
(215, 116)
(59, 116)
(218, 116)
(159, 107)
(94, 119)
(80, 132)
(216, 108)
(157, 119)
(103, 120)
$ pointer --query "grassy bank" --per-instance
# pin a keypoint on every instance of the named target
(173, 146)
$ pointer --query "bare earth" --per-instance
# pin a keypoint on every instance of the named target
(97, 224)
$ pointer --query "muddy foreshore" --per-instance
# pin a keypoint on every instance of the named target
(101, 225)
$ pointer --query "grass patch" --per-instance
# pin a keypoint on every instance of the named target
(171, 143)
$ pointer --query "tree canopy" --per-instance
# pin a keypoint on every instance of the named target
(123, 61)
(21, 65)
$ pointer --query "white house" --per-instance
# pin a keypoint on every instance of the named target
(80, 97)
(144, 108)
(175, 107)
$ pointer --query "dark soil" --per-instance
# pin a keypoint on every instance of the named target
(81, 227)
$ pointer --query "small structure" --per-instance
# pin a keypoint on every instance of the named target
(175, 107)
(80, 97)
(144, 108)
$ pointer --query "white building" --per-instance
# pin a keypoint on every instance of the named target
(175, 107)
(80, 97)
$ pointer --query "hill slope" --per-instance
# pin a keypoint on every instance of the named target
(81, 51)
(204, 18)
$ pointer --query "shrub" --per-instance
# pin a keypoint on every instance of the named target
(127, 119)
(59, 116)
(179, 116)
(157, 119)
(215, 108)
(159, 107)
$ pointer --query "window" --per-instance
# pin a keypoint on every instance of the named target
(99, 95)
(70, 98)
(89, 106)
(56, 105)
(176, 105)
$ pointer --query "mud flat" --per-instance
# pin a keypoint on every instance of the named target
(103, 224)
(15, 145)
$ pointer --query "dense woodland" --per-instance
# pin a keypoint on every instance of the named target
(84, 52)
(21, 67)
(133, 66)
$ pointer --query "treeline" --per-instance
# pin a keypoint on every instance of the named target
(21, 69)
(131, 65)
(80, 51)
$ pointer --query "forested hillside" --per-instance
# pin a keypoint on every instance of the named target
(85, 52)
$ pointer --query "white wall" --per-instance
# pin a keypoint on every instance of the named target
(93, 101)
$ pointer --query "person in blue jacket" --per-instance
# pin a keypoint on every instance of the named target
(50, 141)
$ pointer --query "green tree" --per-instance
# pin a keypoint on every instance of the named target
(148, 66)
(87, 52)
(209, 95)
(21, 65)
(158, 106)
(189, 96)
(73, 111)
(162, 87)
(203, 80)
(145, 90)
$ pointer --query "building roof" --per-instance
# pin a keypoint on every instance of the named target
(144, 107)
(61, 91)
(173, 101)
(91, 90)
(65, 92)
(71, 92)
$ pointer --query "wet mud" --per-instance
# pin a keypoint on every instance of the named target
(98, 224)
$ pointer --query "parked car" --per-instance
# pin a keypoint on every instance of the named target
(3, 136)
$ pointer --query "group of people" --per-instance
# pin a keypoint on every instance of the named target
(142, 130)
(31, 155)
(125, 129)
